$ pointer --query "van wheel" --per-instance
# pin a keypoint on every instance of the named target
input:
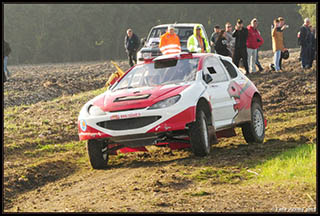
(98, 155)
(254, 131)
(199, 136)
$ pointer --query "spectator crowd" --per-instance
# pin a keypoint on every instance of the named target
(241, 44)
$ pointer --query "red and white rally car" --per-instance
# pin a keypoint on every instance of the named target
(178, 100)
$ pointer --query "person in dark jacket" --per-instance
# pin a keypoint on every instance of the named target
(305, 43)
(221, 44)
(240, 52)
(214, 37)
(6, 53)
(313, 42)
(131, 44)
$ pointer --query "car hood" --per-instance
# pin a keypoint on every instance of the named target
(137, 98)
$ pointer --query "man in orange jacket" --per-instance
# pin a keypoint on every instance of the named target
(169, 42)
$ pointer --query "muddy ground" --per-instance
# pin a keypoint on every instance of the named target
(162, 180)
(31, 84)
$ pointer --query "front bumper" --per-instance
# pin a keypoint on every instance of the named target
(129, 123)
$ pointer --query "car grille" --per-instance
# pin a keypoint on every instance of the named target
(127, 124)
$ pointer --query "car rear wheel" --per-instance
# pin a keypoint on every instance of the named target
(254, 131)
(98, 155)
(199, 136)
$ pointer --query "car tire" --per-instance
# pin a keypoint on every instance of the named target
(254, 131)
(98, 155)
(199, 135)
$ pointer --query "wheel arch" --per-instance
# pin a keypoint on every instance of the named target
(257, 97)
(205, 105)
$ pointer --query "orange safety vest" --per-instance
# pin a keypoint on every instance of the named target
(169, 44)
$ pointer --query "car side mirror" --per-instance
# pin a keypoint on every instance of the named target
(143, 41)
(207, 78)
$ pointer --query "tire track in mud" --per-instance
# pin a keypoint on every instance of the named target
(161, 182)
(158, 188)
(62, 192)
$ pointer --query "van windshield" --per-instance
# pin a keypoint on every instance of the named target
(169, 71)
(183, 32)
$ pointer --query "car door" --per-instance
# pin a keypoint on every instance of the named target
(239, 84)
(221, 102)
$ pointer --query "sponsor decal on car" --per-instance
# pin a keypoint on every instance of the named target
(83, 125)
(124, 116)
(236, 91)
(114, 117)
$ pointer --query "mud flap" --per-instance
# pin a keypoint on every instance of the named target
(226, 133)
(213, 135)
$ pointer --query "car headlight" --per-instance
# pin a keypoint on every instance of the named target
(95, 111)
(166, 103)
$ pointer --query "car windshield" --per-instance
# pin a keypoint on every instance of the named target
(168, 71)
(183, 32)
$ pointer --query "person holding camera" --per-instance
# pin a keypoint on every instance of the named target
(277, 44)
(278, 41)
(240, 52)
(282, 27)
(254, 41)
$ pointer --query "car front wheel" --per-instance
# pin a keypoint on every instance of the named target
(199, 136)
(98, 155)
